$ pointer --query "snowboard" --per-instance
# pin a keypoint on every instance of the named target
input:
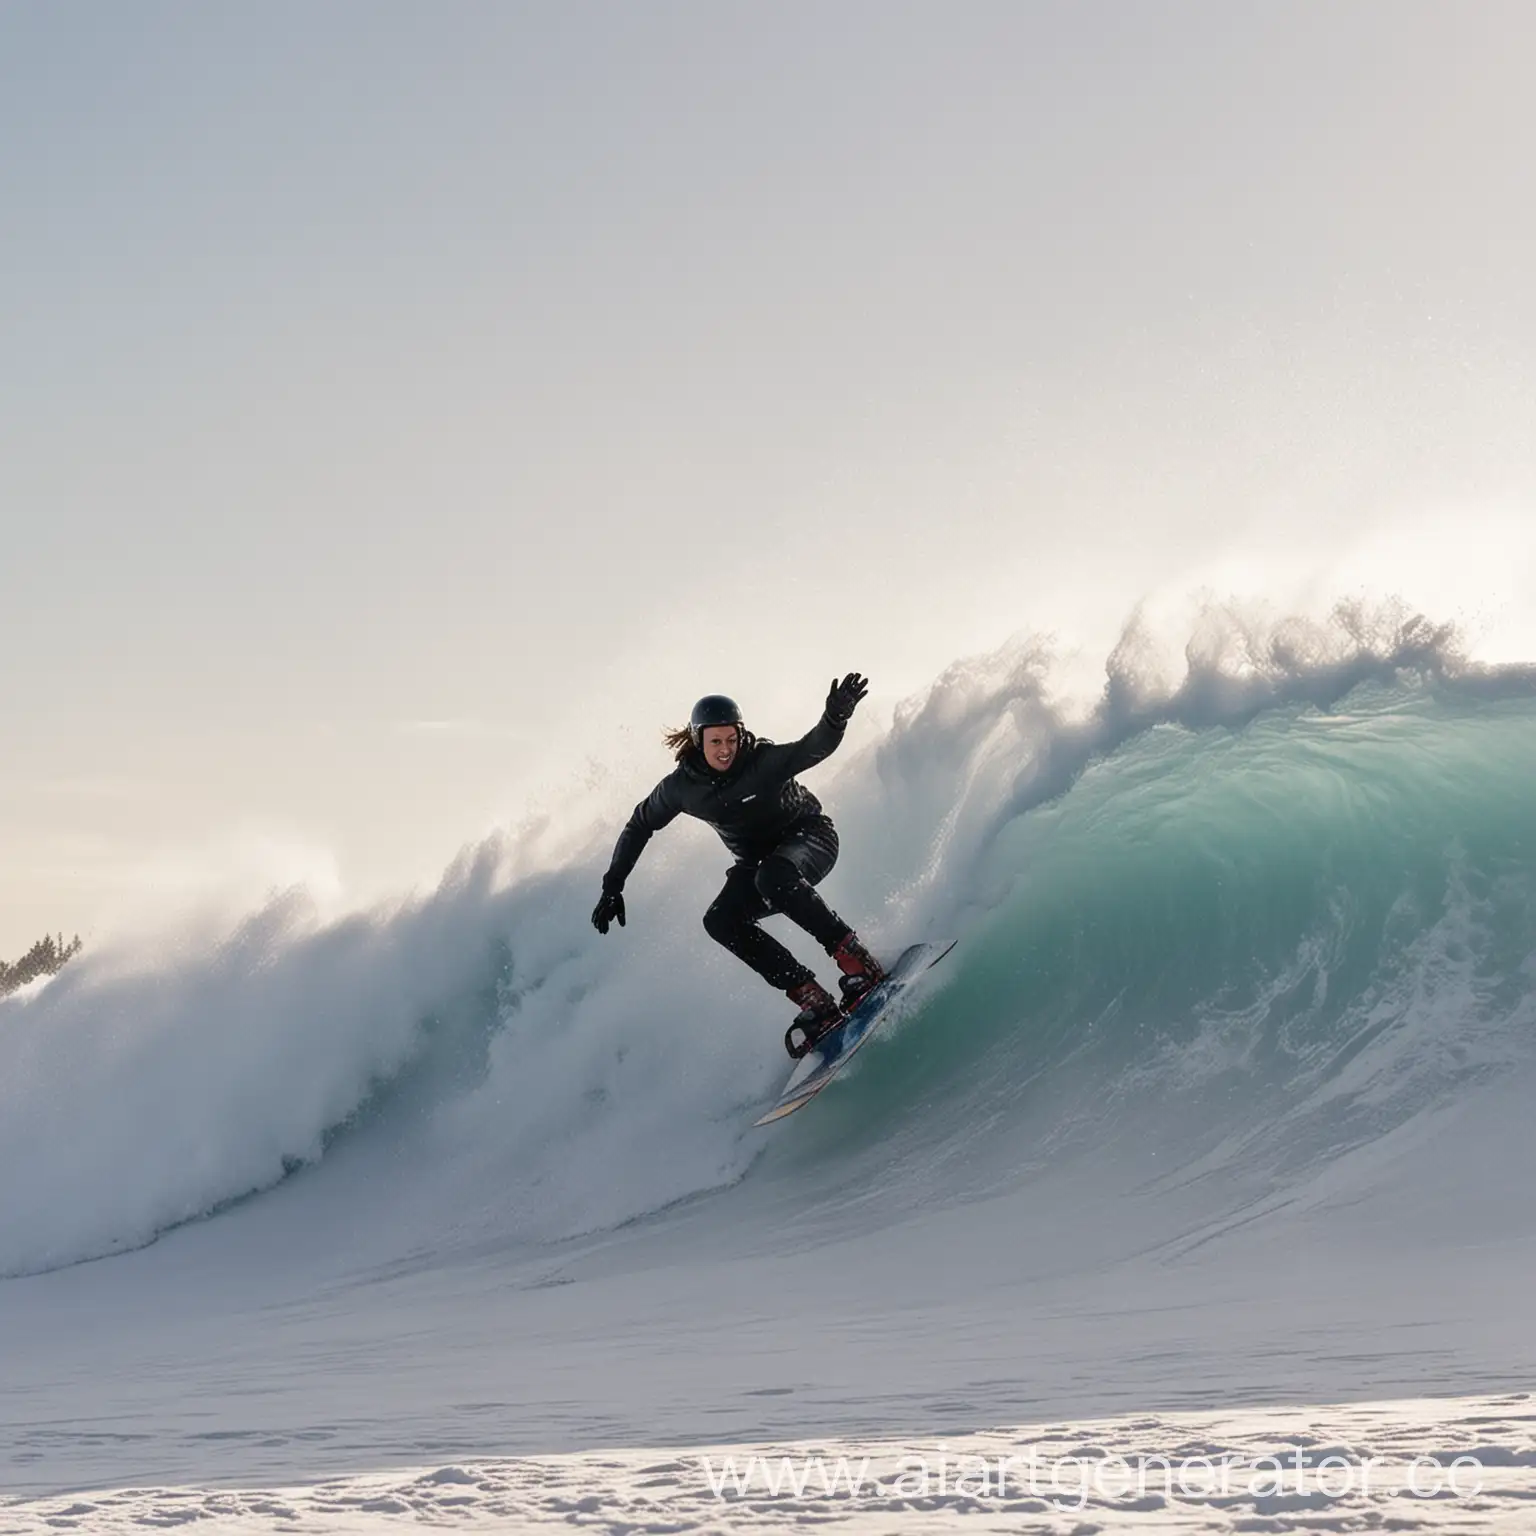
(833, 1051)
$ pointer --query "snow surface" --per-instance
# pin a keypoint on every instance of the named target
(1461, 1464)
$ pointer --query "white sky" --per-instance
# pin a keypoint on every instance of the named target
(406, 407)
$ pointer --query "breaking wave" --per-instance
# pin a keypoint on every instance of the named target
(1250, 910)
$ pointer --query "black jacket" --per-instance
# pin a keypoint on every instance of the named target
(751, 805)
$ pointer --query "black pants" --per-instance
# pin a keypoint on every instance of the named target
(780, 881)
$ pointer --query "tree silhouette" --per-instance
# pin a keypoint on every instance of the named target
(46, 958)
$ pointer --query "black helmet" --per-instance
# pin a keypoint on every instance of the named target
(713, 709)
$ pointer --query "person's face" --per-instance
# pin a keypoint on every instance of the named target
(719, 744)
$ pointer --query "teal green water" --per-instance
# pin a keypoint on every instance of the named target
(1298, 931)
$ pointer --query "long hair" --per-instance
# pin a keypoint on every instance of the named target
(680, 742)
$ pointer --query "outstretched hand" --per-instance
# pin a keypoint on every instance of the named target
(844, 697)
(609, 908)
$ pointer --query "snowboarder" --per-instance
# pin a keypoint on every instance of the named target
(784, 844)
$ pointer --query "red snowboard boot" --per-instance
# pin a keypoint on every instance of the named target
(860, 968)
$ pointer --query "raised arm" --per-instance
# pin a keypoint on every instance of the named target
(826, 736)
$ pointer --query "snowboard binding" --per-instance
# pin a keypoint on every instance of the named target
(819, 1015)
(800, 1041)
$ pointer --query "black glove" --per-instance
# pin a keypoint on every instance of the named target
(610, 907)
(844, 698)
